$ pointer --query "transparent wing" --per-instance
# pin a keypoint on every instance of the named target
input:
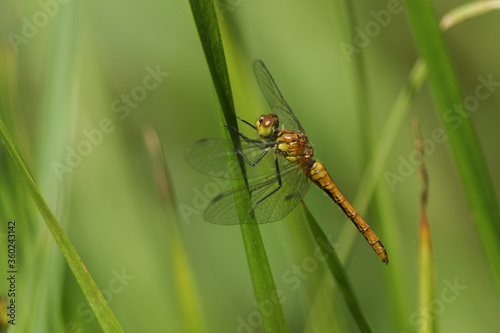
(274, 97)
(270, 202)
(294, 185)
(210, 156)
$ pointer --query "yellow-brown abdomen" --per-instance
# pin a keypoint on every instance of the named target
(318, 174)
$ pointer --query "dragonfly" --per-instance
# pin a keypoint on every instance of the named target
(279, 167)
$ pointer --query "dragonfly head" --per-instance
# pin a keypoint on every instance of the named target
(267, 125)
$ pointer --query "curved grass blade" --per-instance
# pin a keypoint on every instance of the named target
(260, 271)
(96, 301)
(468, 11)
(462, 137)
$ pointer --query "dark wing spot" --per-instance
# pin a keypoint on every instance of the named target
(291, 196)
(218, 197)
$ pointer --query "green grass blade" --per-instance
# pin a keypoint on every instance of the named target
(356, 76)
(337, 270)
(464, 144)
(426, 284)
(185, 286)
(96, 301)
(375, 167)
(58, 110)
(205, 19)
(260, 271)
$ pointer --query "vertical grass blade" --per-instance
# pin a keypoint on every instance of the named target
(58, 110)
(96, 301)
(263, 283)
(338, 272)
(185, 287)
(356, 74)
(461, 134)
(426, 284)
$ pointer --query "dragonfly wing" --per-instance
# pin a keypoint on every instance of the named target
(269, 203)
(275, 98)
(211, 156)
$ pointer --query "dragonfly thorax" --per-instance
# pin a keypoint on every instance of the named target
(295, 147)
(267, 126)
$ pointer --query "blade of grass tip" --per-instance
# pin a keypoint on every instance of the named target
(467, 11)
(338, 272)
(185, 286)
(103, 313)
(426, 285)
(462, 137)
(263, 283)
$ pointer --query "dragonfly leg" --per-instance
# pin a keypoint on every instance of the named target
(256, 161)
(247, 139)
(246, 122)
(278, 175)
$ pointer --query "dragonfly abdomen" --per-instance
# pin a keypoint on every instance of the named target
(318, 174)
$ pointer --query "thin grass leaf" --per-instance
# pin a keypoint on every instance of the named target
(337, 270)
(15, 202)
(323, 315)
(345, 18)
(185, 287)
(426, 284)
(462, 137)
(58, 109)
(96, 301)
(264, 287)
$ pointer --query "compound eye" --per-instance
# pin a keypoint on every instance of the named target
(267, 121)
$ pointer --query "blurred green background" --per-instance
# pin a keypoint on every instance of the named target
(75, 69)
